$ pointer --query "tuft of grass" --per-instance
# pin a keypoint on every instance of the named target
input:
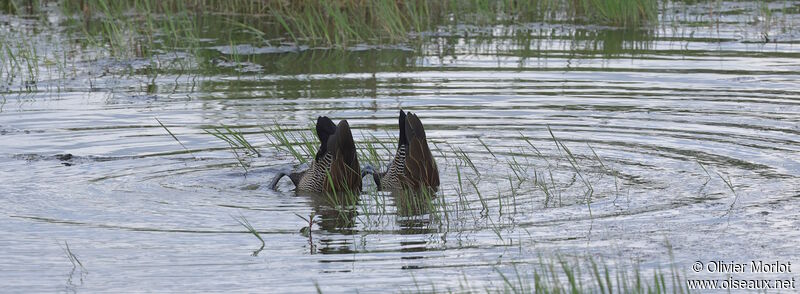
(464, 158)
(234, 138)
(562, 275)
(574, 163)
(301, 145)
(252, 230)
(236, 141)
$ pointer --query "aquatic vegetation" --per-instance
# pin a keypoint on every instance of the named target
(77, 265)
(451, 206)
(307, 231)
(20, 58)
(341, 22)
(252, 230)
(174, 137)
(567, 275)
(73, 258)
(235, 139)
(301, 145)
(569, 137)
(574, 163)
(172, 37)
(109, 25)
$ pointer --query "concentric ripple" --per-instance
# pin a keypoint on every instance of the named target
(550, 140)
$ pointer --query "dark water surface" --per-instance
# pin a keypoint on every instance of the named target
(696, 132)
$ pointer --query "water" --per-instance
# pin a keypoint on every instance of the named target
(686, 138)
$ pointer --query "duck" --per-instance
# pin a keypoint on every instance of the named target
(335, 166)
(413, 167)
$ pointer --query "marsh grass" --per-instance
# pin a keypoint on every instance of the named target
(562, 176)
(300, 144)
(336, 23)
(250, 229)
(569, 275)
(172, 34)
(234, 138)
(129, 28)
(464, 159)
(523, 173)
(548, 173)
(418, 203)
(375, 151)
(607, 169)
(346, 21)
(575, 165)
(21, 59)
(242, 149)
(175, 137)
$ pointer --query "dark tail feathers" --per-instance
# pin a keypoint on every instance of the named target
(325, 129)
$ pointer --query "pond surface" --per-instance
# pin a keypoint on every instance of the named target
(650, 147)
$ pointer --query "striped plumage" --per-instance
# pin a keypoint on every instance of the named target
(391, 178)
(315, 176)
(413, 167)
(335, 166)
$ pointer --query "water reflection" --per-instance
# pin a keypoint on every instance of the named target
(551, 138)
(336, 213)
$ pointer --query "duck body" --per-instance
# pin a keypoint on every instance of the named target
(413, 166)
(335, 167)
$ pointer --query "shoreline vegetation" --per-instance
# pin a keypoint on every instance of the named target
(334, 24)
(132, 29)
(343, 22)
(151, 29)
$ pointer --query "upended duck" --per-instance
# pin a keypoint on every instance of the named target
(335, 167)
(413, 167)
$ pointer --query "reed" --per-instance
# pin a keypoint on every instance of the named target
(340, 23)
(252, 230)
(300, 144)
(237, 142)
(348, 21)
(569, 275)
(574, 163)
